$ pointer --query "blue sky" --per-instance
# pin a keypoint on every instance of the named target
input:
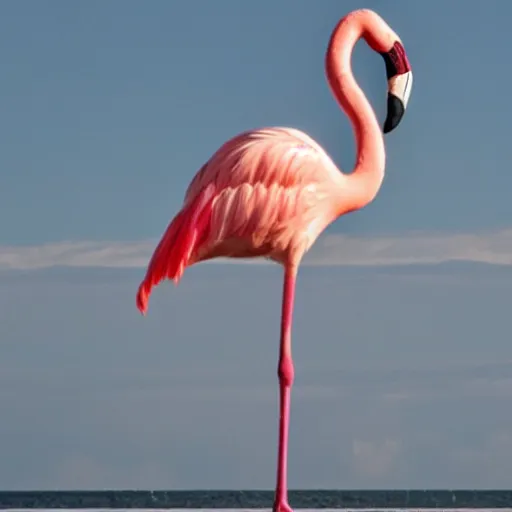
(402, 329)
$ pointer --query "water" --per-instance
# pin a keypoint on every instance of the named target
(414, 500)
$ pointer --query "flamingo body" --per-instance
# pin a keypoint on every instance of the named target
(267, 192)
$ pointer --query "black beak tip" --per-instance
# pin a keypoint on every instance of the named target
(395, 113)
(388, 127)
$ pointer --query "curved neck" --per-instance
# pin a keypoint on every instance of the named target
(368, 173)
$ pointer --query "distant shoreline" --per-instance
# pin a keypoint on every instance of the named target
(254, 499)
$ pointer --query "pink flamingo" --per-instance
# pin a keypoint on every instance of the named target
(271, 192)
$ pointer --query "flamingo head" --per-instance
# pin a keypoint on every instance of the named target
(399, 76)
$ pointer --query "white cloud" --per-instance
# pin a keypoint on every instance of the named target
(336, 250)
(416, 248)
(76, 254)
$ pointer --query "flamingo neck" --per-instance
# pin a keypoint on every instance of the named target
(365, 180)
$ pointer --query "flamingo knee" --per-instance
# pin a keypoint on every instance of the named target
(286, 371)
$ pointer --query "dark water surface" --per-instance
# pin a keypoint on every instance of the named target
(413, 499)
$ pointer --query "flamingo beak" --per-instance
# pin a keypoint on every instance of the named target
(399, 91)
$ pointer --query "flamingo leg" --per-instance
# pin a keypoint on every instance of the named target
(286, 374)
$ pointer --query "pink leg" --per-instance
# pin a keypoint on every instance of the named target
(285, 374)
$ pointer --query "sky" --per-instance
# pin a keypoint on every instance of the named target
(401, 333)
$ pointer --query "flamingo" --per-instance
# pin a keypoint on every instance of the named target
(270, 193)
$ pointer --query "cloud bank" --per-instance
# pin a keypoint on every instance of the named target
(330, 250)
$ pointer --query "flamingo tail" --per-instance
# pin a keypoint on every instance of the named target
(185, 233)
